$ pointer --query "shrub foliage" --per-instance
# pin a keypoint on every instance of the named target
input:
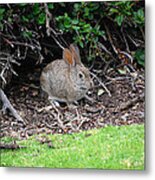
(103, 30)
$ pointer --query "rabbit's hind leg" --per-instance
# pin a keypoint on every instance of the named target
(54, 105)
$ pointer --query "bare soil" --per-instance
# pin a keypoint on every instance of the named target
(124, 107)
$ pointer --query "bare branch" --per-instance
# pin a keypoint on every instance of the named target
(106, 50)
(49, 29)
(7, 104)
(126, 43)
(110, 39)
(101, 83)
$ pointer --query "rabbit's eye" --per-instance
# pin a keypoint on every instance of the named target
(81, 75)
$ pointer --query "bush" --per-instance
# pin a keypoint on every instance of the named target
(99, 28)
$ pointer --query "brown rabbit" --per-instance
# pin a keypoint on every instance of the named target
(66, 80)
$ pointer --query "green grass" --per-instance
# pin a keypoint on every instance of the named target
(112, 147)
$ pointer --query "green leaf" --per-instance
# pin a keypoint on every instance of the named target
(91, 16)
(22, 4)
(139, 17)
(67, 23)
(59, 18)
(122, 71)
(10, 20)
(41, 18)
(81, 44)
(51, 6)
(75, 21)
(87, 26)
(1, 26)
(36, 9)
(86, 11)
(76, 6)
(119, 19)
(113, 10)
(62, 4)
(27, 34)
(25, 19)
(76, 28)
(66, 15)
(140, 57)
(2, 10)
(101, 33)
(140, 13)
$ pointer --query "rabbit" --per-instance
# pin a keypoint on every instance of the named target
(67, 79)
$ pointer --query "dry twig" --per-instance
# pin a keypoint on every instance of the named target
(49, 29)
(110, 39)
(130, 103)
(101, 83)
(7, 105)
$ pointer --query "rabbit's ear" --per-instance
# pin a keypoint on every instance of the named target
(75, 53)
(68, 57)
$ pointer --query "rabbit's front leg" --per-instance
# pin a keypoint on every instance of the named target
(54, 104)
(52, 101)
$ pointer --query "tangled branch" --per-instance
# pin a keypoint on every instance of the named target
(6, 69)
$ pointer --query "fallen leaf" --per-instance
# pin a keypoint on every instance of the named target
(100, 92)
(122, 71)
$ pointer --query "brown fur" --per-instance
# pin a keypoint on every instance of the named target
(66, 80)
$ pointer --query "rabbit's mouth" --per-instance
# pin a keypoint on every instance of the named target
(83, 88)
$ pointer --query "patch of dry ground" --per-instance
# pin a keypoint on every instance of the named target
(124, 107)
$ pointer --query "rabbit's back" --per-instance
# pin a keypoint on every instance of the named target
(53, 80)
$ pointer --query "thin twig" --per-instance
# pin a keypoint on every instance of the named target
(143, 34)
(6, 66)
(110, 39)
(48, 18)
(49, 29)
(130, 103)
(106, 50)
(59, 116)
(58, 42)
(133, 41)
(101, 83)
(126, 43)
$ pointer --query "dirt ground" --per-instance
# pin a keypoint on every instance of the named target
(125, 106)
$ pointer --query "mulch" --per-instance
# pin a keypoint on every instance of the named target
(125, 106)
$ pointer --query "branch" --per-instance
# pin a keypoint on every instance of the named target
(6, 69)
(125, 40)
(48, 17)
(110, 39)
(7, 105)
(101, 83)
(106, 50)
(49, 29)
